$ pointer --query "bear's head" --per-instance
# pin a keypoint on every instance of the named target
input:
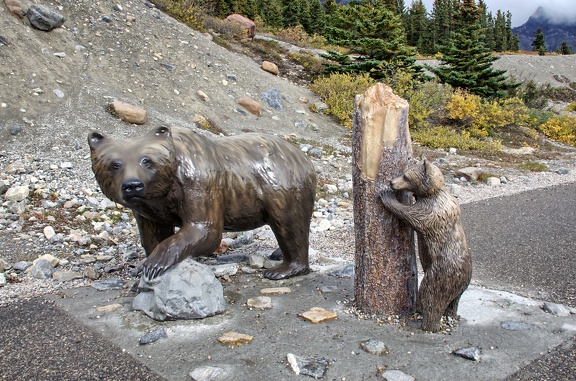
(135, 171)
(423, 180)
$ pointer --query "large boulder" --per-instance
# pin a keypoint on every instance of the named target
(187, 291)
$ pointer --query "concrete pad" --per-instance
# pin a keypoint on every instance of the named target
(280, 330)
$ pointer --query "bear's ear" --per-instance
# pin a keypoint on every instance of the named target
(163, 131)
(425, 165)
(95, 138)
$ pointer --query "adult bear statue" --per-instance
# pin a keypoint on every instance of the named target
(173, 177)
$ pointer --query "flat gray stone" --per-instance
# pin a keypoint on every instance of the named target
(208, 373)
(109, 284)
(374, 347)
(310, 366)
(44, 18)
(187, 291)
(396, 375)
(515, 326)
(471, 353)
(42, 269)
(556, 309)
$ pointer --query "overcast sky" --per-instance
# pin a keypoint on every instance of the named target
(522, 9)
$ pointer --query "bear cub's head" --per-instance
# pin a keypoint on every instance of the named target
(134, 171)
(422, 180)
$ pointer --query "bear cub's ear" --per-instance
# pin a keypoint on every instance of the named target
(163, 131)
(95, 138)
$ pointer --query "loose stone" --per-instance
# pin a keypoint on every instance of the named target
(208, 373)
(109, 307)
(310, 366)
(275, 291)
(556, 309)
(471, 353)
(374, 347)
(235, 339)
(109, 284)
(319, 315)
(153, 336)
(396, 375)
(261, 302)
(64, 276)
(344, 272)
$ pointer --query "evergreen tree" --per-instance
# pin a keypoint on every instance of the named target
(374, 36)
(500, 35)
(317, 18)
(292, 9)
(565, 49)
(442, 22)
(273, 13)
(330, 8)
(418, 28)
(515, 43)
(539, 43)
(467, 63)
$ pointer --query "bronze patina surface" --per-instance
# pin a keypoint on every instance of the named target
(173, 177)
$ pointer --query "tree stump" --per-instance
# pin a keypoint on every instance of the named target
(386, 277)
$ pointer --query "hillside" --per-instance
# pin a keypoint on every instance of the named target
(56, 85)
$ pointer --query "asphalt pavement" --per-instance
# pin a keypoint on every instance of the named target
(523, 254)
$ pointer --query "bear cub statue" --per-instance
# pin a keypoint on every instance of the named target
(444, 255)
(175, 178)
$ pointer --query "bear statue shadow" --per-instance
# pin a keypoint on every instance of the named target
(442, 247)
(174, 178)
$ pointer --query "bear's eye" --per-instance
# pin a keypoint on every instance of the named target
(115, 166)
(146, 162)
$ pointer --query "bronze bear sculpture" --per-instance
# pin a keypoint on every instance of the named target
(442, 247)
(175, 178)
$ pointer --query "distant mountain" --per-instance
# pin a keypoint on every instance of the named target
(555, 26)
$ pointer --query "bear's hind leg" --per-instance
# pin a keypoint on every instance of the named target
(293, 244)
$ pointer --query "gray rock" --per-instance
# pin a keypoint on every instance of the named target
(4, 265)
(310, 366)
(260, 302)
(232, 258)
(153, 336)
(515, 326)
(208, 373)
(2, 280)
(469, 173)
(109, 284)
(187, 291)
(17, 193)
(345, 272)
(44, 18)
(471, 353)
(256, 261)
(22, 266)
(396, 375)
(562, 171)
(273, 99)
(374, 347)
(64, 276)
(42, 269)
(556, 309)
(328, 289)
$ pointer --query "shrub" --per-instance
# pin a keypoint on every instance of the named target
(311, 63)
(338, 92)
(426, 100)
(534, 166)
(443, 137)
(571, 107)
(481, 117)
(298, 36)
(561, 128)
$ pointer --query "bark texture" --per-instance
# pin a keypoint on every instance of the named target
(386, 278)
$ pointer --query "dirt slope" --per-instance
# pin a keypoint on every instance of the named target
(136, 54)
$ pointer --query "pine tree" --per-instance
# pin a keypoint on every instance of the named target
(418, 28)
(565, 49)
(539, 43)
(467, 63)
(273, 13)
(374, 36)
(317, 18)
(330, 8)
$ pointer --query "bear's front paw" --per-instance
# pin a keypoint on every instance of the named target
(387, 194)
(157, 265)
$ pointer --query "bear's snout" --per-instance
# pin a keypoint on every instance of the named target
(132, 188)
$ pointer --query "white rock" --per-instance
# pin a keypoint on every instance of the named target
(17, 193)
(323, 225)
(493, 181)
(49, 232)
(396, 375)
